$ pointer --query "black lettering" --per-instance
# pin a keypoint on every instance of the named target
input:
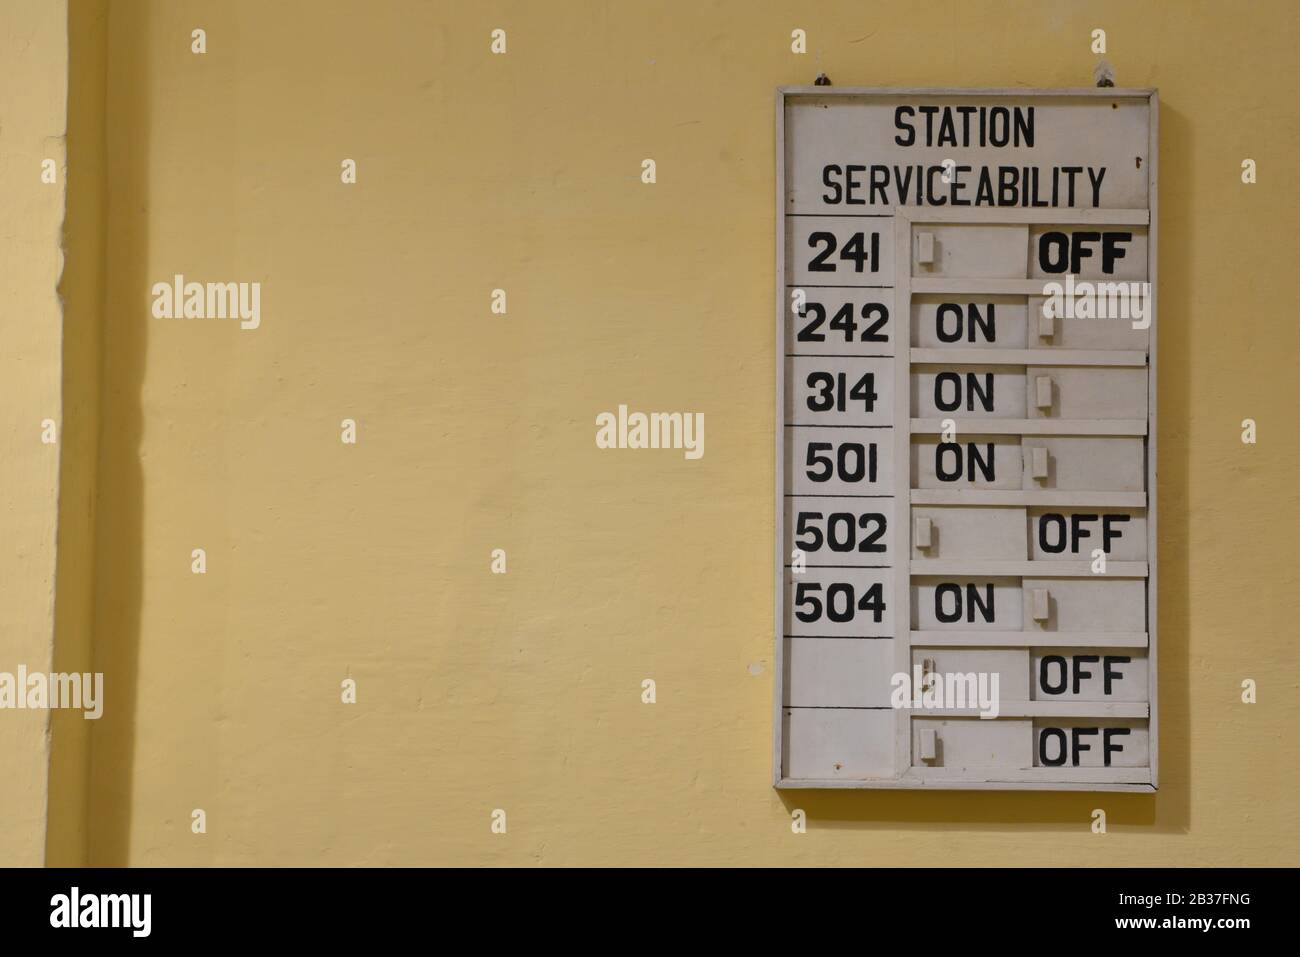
(1110, 252)
(1079, 673)
(948, 308)
(901, 124)
(1055, 520)
(1060, 750)
(1108, 674)
(987, 326)
(1076, 525)
(1024, 126)
(1075, 735)
(984, 394)
(851, 184)
(947, 378)
(828, 174)
(1043, 680)
(1053, 252)
(1106, 533)
(1107, 747)
(940, 451)
(985, 605)
(1080, 244)
(879, 178)
(947, 588)
(977, 461)
(999, 136)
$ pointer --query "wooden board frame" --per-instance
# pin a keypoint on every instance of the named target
(1058, 779)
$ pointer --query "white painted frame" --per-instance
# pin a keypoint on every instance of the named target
(1055, 779)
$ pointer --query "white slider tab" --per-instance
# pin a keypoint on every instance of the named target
(1043, 391)
(1041, 604)
(1038, 462)
(925, 248)
(929, 744)
(921, 535)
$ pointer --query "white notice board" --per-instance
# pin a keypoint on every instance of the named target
(965, 450)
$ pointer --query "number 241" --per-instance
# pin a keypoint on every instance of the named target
(854, 251)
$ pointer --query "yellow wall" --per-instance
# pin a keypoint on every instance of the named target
(522, 691)
(33, 91)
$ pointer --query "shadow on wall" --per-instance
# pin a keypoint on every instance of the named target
(98, 622)
(118, 544)
(81, 289)
(1169, 810)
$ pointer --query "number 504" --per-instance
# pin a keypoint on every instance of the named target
(839, 605)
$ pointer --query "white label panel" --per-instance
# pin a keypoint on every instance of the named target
(968, 392)
(1088, 605)
(1093, 464)
(838, 251)
(840, 531)
(966, 329)
(974, 742)
(1067, 331)
(847, 153)
(1010, 666)
(829, 461)
(984, 533)
(1083, 392)
(1090, 743)
(838, 672)
(1105, 253)
(970, 461)
(1090, 674)
(840, 602)
(966, 604)
(837, 743)
(840, 322)
(967, 251)
(968, 322)
(1072, 534)
(828, 390)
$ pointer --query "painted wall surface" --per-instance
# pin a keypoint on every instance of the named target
(33, 77)
(371, 561)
